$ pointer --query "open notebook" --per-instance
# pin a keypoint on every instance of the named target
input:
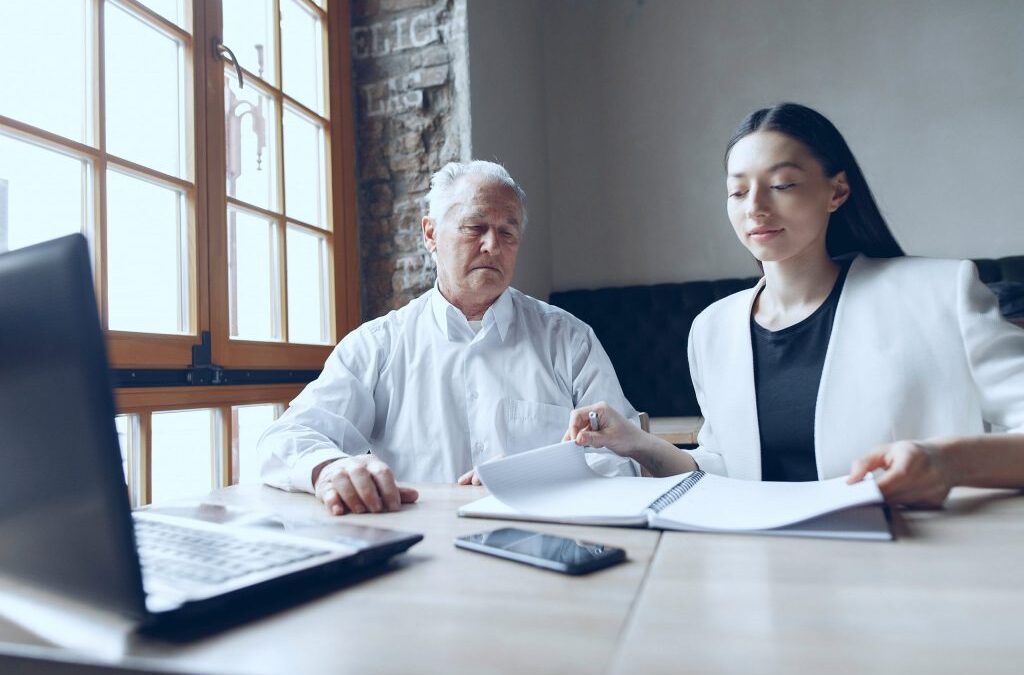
(555, 484)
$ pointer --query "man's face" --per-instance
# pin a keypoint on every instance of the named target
(476, 242)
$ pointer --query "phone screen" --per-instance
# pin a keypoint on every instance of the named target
(546, 550)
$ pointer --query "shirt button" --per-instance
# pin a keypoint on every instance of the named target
(478, 446)
(473, 395)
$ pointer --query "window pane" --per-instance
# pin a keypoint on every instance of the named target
(43, 194)
(145, 93)
(45, 65)
(302, 55)
(183, 454)
(248, 424)
(253, 274)
(308, 316)
(147, 256)
(251, 139)
(128, 437)
(305, 177)
(172, 10)
(249, 33)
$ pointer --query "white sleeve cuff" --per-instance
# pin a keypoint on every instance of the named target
(302, 472)
(711, 462)
(609, 464)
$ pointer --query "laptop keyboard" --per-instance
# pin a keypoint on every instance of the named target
(185, 557)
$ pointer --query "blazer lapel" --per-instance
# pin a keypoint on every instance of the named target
(744, 445)
(855, 397)
(829, 398)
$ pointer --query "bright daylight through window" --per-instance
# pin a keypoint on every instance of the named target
(195, 144)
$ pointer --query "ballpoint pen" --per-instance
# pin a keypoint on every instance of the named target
(594, 424)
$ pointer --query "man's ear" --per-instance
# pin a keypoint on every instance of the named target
(840, 191)
(429, 233)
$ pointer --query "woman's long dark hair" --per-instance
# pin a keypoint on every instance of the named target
(855, 227)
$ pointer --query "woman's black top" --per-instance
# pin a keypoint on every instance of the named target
(787, 372)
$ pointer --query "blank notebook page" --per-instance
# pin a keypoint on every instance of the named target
(728, 504)
(556, 482)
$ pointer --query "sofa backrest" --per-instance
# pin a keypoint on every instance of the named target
(1009, 269)
(644, 329)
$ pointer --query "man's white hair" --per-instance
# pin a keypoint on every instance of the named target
(439, 199)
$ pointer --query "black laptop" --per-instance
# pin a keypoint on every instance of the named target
(65, 520)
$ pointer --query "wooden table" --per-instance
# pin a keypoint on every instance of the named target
(677, 430)
(946, 597)
(441, 609)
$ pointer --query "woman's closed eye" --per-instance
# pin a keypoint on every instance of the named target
(783, 186)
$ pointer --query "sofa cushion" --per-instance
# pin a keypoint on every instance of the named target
(1011, 298)
(1002, 269)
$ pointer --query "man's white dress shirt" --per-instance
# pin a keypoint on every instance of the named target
(432, 398)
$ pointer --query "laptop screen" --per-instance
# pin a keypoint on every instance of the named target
(65, 519)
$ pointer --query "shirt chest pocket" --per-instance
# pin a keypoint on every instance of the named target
(525, 425)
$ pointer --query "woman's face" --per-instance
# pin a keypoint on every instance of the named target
(779, 198)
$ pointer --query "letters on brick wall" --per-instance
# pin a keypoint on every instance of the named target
(408, 122)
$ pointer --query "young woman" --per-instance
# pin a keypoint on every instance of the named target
(847, 356)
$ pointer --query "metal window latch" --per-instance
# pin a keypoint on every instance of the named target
(225, 53)
(203, 371)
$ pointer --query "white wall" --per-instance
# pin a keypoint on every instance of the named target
(506, 74)
(641, 95)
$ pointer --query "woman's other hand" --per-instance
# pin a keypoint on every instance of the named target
(914, 473)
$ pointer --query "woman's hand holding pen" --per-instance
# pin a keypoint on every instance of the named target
(600, 425)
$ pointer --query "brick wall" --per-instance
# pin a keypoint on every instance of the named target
(412, 117)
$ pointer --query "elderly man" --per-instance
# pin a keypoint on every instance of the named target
(470, 370)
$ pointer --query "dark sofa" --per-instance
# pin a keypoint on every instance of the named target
(644, 329)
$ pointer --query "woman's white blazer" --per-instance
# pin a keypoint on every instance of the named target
(918, 350)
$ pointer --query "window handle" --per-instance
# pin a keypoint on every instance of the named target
(225, 53)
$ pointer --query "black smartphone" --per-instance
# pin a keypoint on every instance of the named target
(560, 554)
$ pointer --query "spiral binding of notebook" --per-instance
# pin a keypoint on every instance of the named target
(675, 493)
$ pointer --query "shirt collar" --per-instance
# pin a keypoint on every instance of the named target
(453, 322)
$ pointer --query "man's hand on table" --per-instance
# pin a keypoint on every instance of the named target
(470, 478)
(359, 484)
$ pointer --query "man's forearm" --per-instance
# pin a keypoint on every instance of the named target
(297, 445)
